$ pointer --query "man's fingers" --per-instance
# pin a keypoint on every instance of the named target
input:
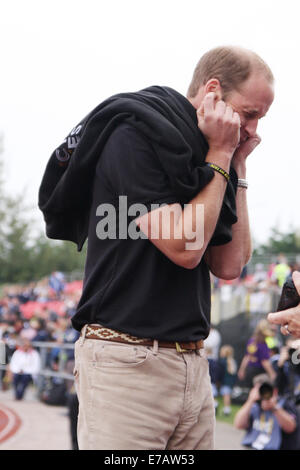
(251, 143)
(236, 118)
(207, 106)
(281, 318)
(221, 107)
(257, 138)
(200, 111)
(228, 112)
(209, 102)
(255, 141)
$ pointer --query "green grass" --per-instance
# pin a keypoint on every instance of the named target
(226, 419)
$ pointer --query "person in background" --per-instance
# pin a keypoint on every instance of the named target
(294, 266)
(42, 334)
(73, 408)
(57, 282)
(273, 340)
(270, 421)
(214, 373)
(288, 370)
(281, 271)
(228, 373)
(54, 389)
(24, 366)
(213, 342)
(29, 330)
(257, 358)
(274, 357)
(260, 274)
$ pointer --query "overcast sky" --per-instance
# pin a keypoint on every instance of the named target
(61, 58)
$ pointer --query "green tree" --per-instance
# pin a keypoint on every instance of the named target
(49, 255)
(15, 259)
(23, 255)
(280, 242)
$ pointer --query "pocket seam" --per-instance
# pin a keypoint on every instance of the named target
(99, 364)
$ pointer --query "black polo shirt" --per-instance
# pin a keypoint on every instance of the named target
(129, 285)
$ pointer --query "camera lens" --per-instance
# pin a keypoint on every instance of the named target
(265, 391)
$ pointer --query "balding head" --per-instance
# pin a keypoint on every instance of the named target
(231, 65)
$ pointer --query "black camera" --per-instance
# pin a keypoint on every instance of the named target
(289, 296)
(266, 391)
(294, 362)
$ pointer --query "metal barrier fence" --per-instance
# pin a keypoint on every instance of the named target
(231, 300)
(227, 302)
(44, 349)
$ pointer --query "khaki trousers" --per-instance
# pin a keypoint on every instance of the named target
(134, 397)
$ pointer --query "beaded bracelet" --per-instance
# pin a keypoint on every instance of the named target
(242, 183)
(219, 170)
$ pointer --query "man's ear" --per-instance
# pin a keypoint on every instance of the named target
(213, 85)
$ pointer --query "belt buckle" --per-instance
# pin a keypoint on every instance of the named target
(179, 348)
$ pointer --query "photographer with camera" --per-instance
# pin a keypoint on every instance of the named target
(270, 421)
(288, 370)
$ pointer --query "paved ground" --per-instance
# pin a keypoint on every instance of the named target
(42, 427)
(228, 438)
(31, 425)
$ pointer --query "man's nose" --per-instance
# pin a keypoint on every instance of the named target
(251, 127)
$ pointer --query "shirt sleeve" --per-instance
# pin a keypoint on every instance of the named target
(131, 168)
(289, 408)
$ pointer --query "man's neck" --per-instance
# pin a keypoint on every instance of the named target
(195, 101)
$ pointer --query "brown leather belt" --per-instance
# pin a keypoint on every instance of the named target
(101, 332)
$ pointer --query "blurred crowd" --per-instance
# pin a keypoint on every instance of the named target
(265, 384)
(33, 317)
(262, 276)
(41, 312)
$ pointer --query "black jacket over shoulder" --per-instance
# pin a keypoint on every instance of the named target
(166, 118)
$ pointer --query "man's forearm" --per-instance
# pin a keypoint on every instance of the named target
(269, 369)
(227, 261)
(244, 364)
(187, 234)
(241, 420)
(285, 420)
(211, 199)
(241, 236)
(190, 231)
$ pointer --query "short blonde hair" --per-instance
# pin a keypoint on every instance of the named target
(231, 65)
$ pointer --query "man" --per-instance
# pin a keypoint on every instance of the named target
(213, 342)
(270, 421)
(289, 320)
(288, 370)
(257, 356)
(23, 368)
(141, 375)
